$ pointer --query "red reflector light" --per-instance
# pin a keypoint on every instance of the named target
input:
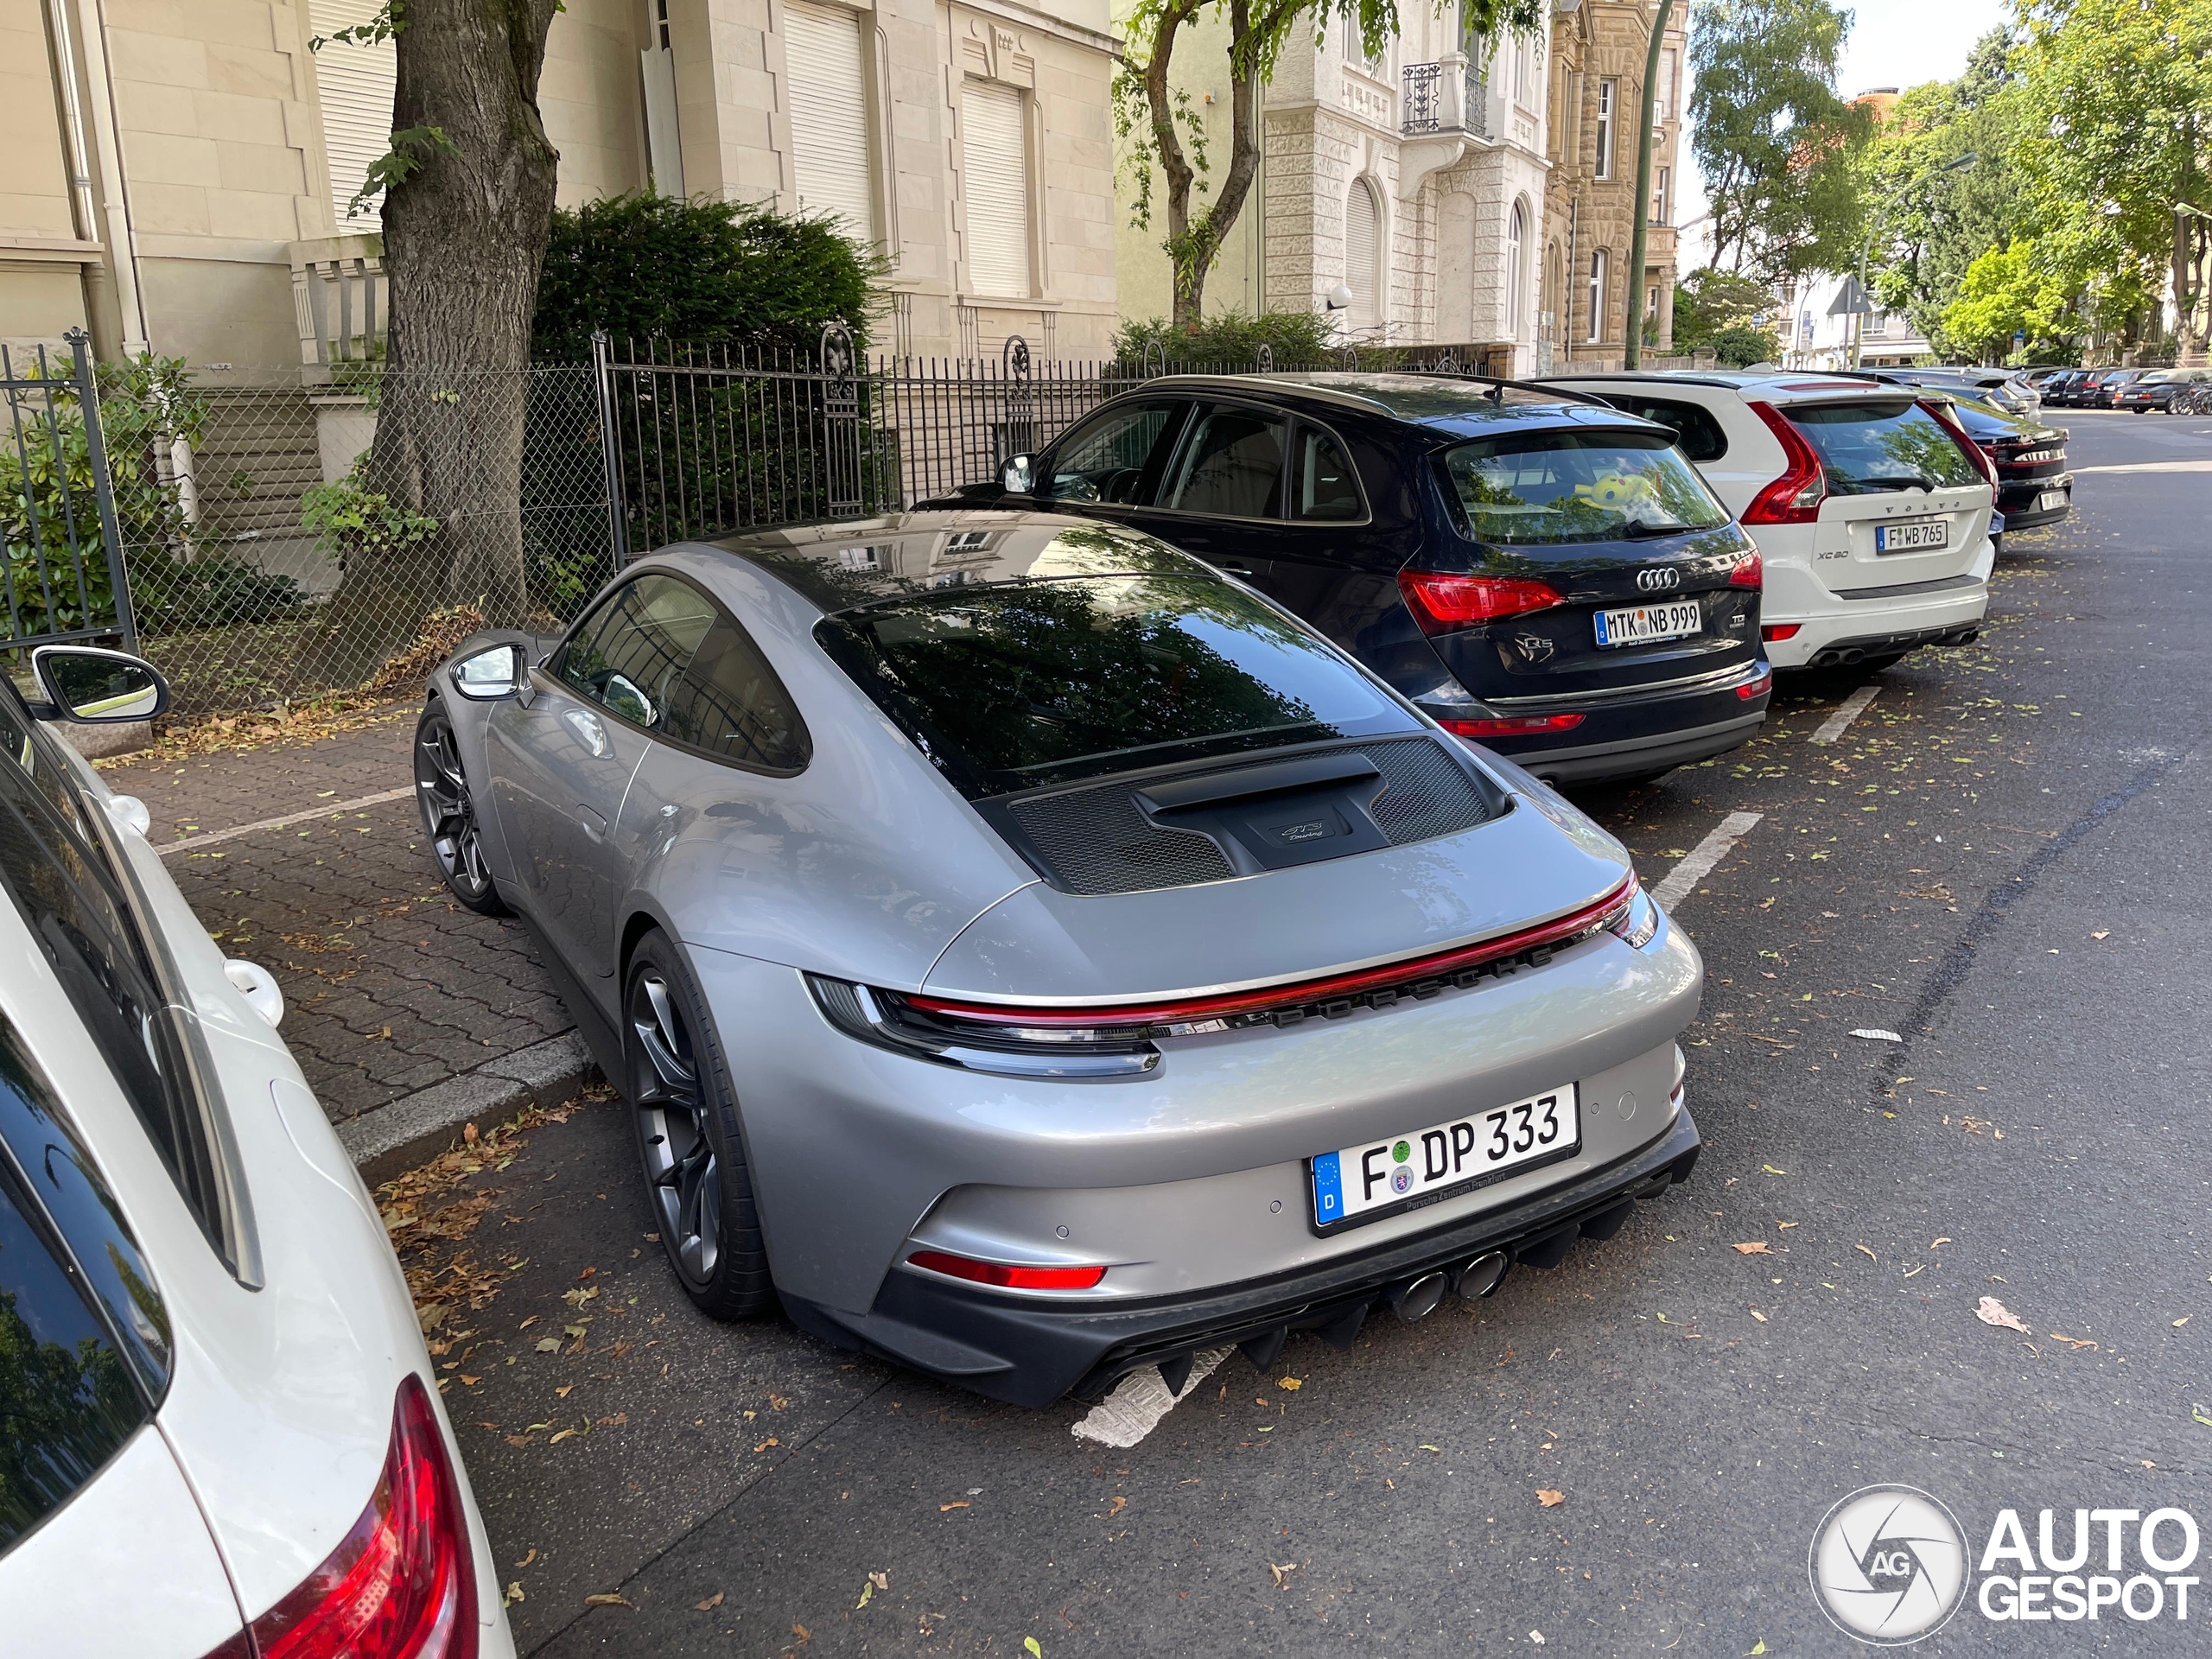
(1511, 727)
(1757, 688)
(1781, 629)
(995, 1272)
(1750, 571)
(1795, 497)
(400, 1585)
(1441, 603)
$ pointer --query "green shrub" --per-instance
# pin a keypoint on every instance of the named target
(1234, 338)
(643, 266)
(352, 520)
(211, 591)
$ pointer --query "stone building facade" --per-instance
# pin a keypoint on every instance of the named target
(1416, 179)
(1599, 58)
(181, 173)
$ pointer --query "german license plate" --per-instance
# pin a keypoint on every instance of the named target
(1358, 1184)
(1913, 535)
(1676, 619)
(2050, 498)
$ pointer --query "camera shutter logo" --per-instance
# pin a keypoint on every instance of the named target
(1889, 1565)
(1658, 579)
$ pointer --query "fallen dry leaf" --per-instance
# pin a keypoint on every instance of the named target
(610, 1599)
(709, 1603)
(1756, 1247)
(2076, 1342)
(526, 1560)
(1283, 1571)
(1291, 1384)
(517, 1440)
(563, 1390)
(1933, 1242)
(881, 1580)
(1992, 1311)
(1548, 1498)
(957, 1503)
(2178, 1323)
(1760, 1316)
(804, 1635)
(1116, 1507)
(1868, 1254)
(868, 1593)
(764, 1444)
(2102, 933)
(565, 1434)
(513, 1595)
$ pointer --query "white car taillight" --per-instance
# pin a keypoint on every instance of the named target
(400, 1586)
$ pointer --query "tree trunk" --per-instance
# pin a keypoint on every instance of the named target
(464, 240)
(1189, 286)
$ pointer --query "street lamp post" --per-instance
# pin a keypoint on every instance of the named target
(1957, 163)
(1632, 342)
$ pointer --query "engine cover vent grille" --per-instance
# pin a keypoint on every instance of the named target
(1096, 839)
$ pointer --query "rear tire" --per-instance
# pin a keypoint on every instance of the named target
(449, 814)
(689, 1141)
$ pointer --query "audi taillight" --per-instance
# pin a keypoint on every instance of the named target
(400, 1585)
(1442, 603)
(1943, 415)
(1757, 688)
(1795, 497)
(1750, 571)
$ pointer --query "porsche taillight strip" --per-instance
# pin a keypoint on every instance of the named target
(1334, 988)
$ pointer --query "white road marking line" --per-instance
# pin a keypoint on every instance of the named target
(1851, 707)
(2152, 466)
(289, 819)
(1139, 1401)
(1676, 885)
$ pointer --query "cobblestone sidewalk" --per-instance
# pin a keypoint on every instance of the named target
(409, 1014)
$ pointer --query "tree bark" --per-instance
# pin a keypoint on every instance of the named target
(1188, 291)
(464, 240)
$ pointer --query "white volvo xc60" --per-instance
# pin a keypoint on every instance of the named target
(224, 1435)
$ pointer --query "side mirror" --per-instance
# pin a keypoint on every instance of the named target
(96, 687)
(1018, 476)
(495, 671)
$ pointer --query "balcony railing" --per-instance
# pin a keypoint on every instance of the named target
(339, 304)
(1448, 96)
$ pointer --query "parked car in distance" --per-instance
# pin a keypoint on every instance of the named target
(1537, 570)
(1030, 955)
(224, 1437)
(2158, 388)
(2041, 378)
(2058, 390)
(1870, 506)
(2007, 389)
(2115, 382)
(2033, 485)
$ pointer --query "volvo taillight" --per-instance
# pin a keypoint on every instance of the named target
(400, 1586)
(1795, 497)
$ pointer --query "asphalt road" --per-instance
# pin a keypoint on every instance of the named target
(2001, 859)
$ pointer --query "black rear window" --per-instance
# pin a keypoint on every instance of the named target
(1867, 448)
(1539, 489)
(1009, 687)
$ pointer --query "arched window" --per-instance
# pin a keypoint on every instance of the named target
(1516, 282)
(1599, 260)
(1362, 250)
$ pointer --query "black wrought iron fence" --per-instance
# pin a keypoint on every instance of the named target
(61, 570)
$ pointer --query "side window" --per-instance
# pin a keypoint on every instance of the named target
(71, 1401)
(729, 703)
(661, 655)
(1231, 464)
(72, 908)
(1323, 485)
(1696, 433)
(25, 746)
(1105, 458)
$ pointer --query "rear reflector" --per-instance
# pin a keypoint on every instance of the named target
(996, 1273)
(1782, 630)
(1757, 688)
(1511, 727)
(1444, 963)
(1442, 603)
(400, 1585)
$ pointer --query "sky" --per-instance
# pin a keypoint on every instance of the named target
(1893, 43)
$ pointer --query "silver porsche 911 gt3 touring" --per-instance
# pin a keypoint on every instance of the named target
(1028, 955)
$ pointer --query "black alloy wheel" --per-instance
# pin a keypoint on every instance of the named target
(688, 1138)
(449, 814)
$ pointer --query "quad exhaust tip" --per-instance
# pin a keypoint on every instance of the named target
(1418, 1298)
(1482, 1275)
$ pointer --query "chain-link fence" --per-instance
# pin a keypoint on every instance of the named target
(278, 546)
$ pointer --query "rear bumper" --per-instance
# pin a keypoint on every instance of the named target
(2020, 501)
(1031, 1352)
(1595, 763)
(1878, 620)
(1633, 734)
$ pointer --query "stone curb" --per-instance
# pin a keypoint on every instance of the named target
(396, 1137)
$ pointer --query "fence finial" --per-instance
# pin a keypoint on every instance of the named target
(1013, 357)
(1267, 357)
(1154, 352)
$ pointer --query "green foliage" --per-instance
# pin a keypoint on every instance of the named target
(411, 147)
(1722, 312)
(646, 266)
(352, 522)
(64, 1412)
(1232, 337)
(1775, 143)
(2009, 290)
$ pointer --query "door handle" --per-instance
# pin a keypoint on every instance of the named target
(591, 824)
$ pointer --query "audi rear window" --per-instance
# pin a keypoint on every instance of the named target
(1869, 449)
(1536, 489)
(1012, 687)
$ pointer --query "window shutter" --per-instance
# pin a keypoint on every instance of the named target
(828, 75)
(996, 140)
(1360, 238)
(356, 83)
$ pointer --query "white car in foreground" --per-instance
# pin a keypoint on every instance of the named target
(1871, 508)
(223, 1436)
